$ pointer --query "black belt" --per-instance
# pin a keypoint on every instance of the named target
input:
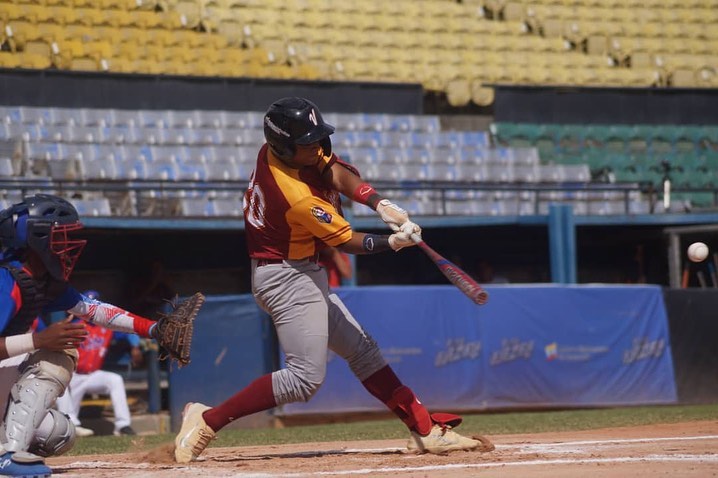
(266, 262)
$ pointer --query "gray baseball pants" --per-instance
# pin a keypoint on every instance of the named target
(310, 320)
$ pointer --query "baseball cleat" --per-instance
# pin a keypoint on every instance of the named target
(22, 466)
(441, 440)
(83, 432)
(195, 434)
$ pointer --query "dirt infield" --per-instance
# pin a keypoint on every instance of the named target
(683, 449)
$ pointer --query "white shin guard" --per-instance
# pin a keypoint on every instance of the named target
(44, 378)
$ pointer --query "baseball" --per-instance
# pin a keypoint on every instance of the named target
(697, 252)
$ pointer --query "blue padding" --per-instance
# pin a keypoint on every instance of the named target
(530, 346)
(233, 344)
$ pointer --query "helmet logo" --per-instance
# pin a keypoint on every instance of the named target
(313, 117)
(275, 128)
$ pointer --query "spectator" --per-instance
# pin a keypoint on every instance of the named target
(485, 273)
(90, 379)
(337, 264)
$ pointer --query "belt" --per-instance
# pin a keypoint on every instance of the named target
(266, 262)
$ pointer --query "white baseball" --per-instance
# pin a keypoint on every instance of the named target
(697, 252)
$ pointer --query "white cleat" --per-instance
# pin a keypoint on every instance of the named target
(442, 440)
(195, 434)
(83, 432)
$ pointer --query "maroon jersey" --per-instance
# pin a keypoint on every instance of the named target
(290, 213)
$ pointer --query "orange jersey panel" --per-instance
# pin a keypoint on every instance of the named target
(290, 213)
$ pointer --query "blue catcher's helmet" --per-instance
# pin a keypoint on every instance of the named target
(42, 224)
(291, 121)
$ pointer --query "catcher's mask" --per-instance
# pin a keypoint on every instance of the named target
(292, 121)
(43, 224)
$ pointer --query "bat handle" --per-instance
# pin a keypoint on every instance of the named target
(416, 238)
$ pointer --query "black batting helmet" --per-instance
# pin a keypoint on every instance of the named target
(291, 121)
(42, 223)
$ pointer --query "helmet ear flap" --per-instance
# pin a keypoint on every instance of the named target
(284, 152)
(326, 145)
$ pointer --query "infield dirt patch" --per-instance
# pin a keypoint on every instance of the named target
(681, 449)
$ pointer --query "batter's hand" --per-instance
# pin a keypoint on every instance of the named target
(61, 335)
(411, 228)
(400, 240)
(392, 214)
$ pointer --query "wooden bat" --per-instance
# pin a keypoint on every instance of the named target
(456, 276)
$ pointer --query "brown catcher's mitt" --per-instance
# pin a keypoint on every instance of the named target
(173, 331)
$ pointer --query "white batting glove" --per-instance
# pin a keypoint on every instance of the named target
(400, 240)
(411, 228)
(391, 214)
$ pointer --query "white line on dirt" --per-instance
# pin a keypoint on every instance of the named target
(704, 458)
(368, 471)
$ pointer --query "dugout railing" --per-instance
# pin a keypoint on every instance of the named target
(157, 198)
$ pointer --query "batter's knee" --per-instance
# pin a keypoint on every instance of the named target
(307, 388)
(296, 387)
(366, 360)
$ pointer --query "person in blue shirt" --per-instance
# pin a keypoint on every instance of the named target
(37, 255)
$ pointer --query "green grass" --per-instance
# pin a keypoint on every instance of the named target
(483, 423)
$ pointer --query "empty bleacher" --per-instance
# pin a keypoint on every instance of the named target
(196, 163)
(458, 48)
(638, 153)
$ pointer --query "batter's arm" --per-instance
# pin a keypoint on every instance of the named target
(362, 243)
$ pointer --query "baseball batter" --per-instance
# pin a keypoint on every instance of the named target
(292, 210)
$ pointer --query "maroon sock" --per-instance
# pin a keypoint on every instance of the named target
(386, 386)
(255, 397)
(382, 384)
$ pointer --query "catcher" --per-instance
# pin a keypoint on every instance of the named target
(38, 255)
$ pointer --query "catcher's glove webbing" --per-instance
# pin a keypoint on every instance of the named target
(173, 331)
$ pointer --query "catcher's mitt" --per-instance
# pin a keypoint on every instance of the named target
(173, 331)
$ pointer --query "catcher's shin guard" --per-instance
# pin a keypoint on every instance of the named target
(410, 410)
(44, 379)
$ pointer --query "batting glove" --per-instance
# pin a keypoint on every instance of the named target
(411, 228)
(400, 240)
(392, 214)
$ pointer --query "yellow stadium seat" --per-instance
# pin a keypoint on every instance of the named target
(683, 78)
(190, 12)
(145, 19)
(9, 59)
(458, 92)
(84, 64)
(34, 60)
(19, 32)
(481, 95)
(60, 15)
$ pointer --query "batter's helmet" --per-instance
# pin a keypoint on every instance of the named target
(292, 121)
(42, 223)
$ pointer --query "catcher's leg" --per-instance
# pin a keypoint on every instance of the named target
(55, 435)
(45, 375)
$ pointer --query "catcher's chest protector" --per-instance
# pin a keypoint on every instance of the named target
(35, 296)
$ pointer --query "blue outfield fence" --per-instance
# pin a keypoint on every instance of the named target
(529, 347)
(542, 346)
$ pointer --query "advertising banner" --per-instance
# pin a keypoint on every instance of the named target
(530, 346)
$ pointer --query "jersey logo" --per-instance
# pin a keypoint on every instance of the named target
(313, 117)
(321, 215)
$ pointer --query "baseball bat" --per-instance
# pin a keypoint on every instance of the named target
(456, 276)
(701, 279)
